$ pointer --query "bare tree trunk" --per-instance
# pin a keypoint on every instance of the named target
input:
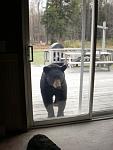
(38, 25)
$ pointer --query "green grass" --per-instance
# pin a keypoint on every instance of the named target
(38, 58)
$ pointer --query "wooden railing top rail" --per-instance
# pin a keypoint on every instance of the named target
(77, 49)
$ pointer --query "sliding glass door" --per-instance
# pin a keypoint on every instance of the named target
(103, 91)
(62, 33)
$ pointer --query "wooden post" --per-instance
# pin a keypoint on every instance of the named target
(104, 36)
(104, 28)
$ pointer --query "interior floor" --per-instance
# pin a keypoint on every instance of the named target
(95, 135)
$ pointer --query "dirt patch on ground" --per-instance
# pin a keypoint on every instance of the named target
(40, 47)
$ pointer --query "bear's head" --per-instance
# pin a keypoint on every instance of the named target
(55, 75)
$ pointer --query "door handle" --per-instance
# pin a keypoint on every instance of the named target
(30, 53)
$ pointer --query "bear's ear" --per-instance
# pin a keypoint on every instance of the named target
(46, 69)
(63, 68)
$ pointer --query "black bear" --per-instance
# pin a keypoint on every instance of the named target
(53, 83)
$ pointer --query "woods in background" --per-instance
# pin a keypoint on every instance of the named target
(60, 20)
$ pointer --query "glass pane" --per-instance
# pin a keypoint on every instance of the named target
(103, 92)
(56, 33)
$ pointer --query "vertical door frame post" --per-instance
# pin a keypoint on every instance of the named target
(93, 54)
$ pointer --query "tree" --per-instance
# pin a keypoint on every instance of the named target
(73, 26)
(56, 17)
(37, 32)
(61, 20)
(105, 13)
(108, 13)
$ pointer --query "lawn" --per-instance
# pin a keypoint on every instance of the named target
(38, 58)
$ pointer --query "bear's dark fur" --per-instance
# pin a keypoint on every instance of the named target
(41, 142)
(53, 83)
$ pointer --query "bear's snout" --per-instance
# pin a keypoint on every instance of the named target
(57, 84)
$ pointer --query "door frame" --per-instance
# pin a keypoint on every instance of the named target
(27, 71)
(27, 65)
(93, 55)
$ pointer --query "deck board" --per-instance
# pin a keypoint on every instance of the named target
(103, 92)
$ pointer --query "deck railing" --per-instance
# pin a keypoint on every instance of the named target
(58, 55)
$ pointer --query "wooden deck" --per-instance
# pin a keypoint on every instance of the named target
(103, 93)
